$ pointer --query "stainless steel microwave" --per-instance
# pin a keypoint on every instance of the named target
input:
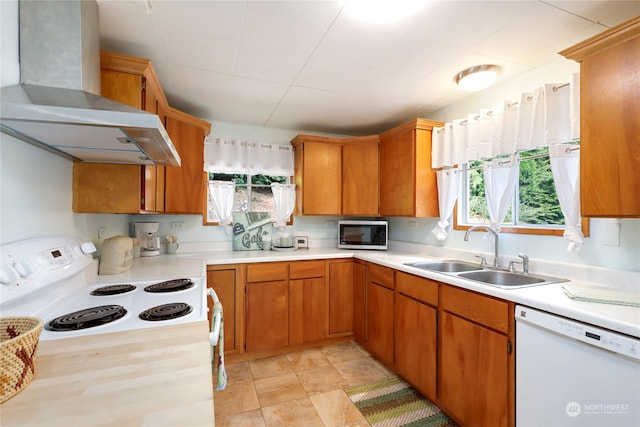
(354, 234)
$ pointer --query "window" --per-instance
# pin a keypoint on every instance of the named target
(252, 192)
(537, 209)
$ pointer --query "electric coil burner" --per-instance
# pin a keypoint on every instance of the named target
(170, 286)
(166, 311)
(87, 318)
(112, 290)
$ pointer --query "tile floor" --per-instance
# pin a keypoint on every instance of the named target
(297, 389)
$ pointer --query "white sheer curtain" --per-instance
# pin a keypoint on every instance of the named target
(500, 177)
(247, 157)
(546, 116)
(284, 198)
(233, 156)
(447, 194)
(221, 194)
(565, 165)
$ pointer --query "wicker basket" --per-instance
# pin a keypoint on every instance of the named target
(19, 337)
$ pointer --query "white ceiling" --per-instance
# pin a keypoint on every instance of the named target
(308, 65)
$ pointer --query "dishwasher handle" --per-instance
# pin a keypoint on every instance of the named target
(216, 321)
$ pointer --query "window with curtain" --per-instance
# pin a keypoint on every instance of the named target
(252, 192)
(242, 175)
(518, 163)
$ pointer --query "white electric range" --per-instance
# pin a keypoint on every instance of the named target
(46, 278)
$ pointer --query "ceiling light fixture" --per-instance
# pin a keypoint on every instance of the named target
(478, 77)
(382, 11)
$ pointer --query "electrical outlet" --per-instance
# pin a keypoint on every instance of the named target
(177, 226)
(413, 225)
(101, 232)
(332, 223)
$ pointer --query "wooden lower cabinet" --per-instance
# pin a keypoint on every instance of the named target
(475, 368)
(415, 332)
(380, 322)
(340, 306)
(267, 315)
(360, 302)
(226, 281)
(307, 310)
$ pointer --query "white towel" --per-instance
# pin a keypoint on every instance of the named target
(603, 295)
(218, 362)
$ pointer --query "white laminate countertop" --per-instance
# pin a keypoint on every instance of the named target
(551, 298)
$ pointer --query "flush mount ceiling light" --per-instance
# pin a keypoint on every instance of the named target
(382, 11)
(478, 77)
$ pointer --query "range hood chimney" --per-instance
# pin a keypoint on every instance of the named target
(57, 105)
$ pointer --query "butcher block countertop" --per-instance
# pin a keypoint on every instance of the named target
(149, 377)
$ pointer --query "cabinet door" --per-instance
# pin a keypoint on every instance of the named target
(223, 283)
(341, 298)
(397, 173)
(106, 188)
(307, 310)
(610, 131)
(360, 178)
(322, 178)
(360, 302)
(380, 322)
(473, 386)
(185, 185)
(267, 315)
(415, 343)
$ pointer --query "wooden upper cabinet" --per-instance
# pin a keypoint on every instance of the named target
(609, 124)
(408, 185)
(318, 175)
(185, 185)
(360, 176)
(137, 189)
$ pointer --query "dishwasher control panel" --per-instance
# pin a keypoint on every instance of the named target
(583, 332)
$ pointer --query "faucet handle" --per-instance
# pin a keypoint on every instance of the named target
(512, 264)
(483, 260)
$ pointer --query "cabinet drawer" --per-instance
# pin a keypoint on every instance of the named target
(266, 272)
(381, 275)
(306, 269)
(490, 312)
(422, 289)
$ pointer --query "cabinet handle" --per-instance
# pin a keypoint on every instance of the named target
(509, 347)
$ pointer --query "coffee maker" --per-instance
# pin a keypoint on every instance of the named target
(147, 232)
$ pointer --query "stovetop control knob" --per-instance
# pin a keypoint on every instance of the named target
(88, 248)
(24, 268)
(8, 275)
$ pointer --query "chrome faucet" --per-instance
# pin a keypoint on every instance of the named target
(496, 239)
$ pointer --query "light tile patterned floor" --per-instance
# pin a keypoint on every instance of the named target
(297, 389)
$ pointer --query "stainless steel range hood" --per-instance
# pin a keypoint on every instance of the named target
(57, 105)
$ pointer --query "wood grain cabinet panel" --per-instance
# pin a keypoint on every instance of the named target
(360, 176)
(360, 302)
(380, 322)
(408, 185)
(609, 124)
(224, 283)
(318, 175)
(341, 298)
(267, 315)
(307, 310)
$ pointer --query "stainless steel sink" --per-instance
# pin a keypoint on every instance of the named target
(449, 266)
(485, 275)
(505, 279)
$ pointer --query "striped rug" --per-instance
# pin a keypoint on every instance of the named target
(392, 403)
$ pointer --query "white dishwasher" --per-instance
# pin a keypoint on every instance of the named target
(570, 373)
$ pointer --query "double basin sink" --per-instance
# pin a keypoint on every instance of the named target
(485, 275)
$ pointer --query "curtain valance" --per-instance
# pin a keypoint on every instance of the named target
(233, 156)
